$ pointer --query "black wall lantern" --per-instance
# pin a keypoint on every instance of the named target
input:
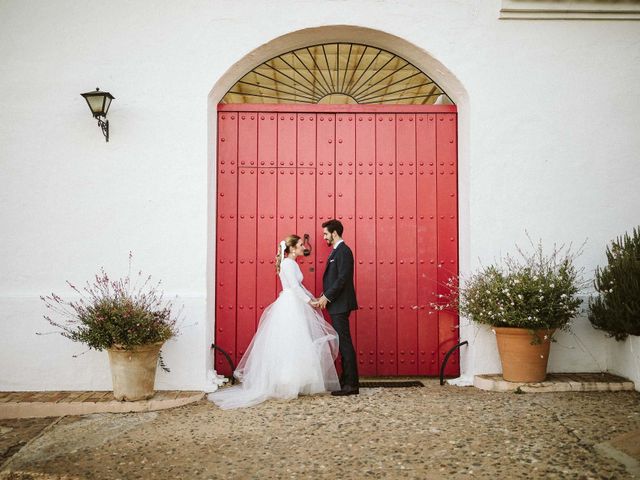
(99, 103)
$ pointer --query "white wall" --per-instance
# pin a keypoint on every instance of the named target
(548, 142)
(624, 358)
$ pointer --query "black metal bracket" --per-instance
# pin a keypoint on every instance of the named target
(233, 368)
(104, 125)
(446, 359)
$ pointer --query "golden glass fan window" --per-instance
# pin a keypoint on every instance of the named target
(337, 73)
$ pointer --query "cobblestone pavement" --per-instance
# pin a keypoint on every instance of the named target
(428, 433)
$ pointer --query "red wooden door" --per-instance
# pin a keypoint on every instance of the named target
(389, 174)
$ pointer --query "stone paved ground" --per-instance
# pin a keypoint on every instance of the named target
(433, 432)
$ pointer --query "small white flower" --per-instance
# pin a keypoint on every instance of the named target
(552, 285)
(520, 296)
(541, 297)
(610, 290)
(564, 295)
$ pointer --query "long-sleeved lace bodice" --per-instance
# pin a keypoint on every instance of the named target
(291, 278)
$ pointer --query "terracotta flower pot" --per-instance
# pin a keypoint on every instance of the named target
(521, 360)
(134, 371)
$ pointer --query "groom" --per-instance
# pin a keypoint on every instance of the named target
(339, 298)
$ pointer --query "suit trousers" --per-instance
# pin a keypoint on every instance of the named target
(347, 352)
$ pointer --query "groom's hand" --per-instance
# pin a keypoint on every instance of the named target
(322, 302)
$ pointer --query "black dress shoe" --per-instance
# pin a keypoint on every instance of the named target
(346, 390)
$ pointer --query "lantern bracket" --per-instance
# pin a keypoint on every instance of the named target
(104, 125)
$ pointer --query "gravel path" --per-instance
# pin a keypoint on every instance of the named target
(433, 432)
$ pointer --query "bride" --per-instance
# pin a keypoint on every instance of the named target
(294, 348)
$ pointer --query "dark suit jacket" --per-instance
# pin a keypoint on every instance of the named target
(337, 281)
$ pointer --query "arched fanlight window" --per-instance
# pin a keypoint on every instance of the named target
(337, 73)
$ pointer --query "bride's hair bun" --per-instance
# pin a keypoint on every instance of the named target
(291, 241)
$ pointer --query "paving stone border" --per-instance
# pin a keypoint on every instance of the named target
(57, 404)
(557, 382)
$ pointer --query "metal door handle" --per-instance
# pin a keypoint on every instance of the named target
(307, 245)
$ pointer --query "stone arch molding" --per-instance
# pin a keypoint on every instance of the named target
(417, 56)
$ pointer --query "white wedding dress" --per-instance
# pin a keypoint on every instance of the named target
(292, 352)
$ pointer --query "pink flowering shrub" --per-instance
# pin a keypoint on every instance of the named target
(114, 313)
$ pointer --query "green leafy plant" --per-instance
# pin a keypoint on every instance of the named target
(533, 291)
(616, 308)
(114, 313)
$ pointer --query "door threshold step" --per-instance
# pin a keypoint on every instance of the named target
(391, 384)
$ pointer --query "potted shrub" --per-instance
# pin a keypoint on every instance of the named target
(129, 320)
(616, 308)
(525, 300)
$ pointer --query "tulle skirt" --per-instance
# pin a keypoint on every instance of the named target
(291, 354)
